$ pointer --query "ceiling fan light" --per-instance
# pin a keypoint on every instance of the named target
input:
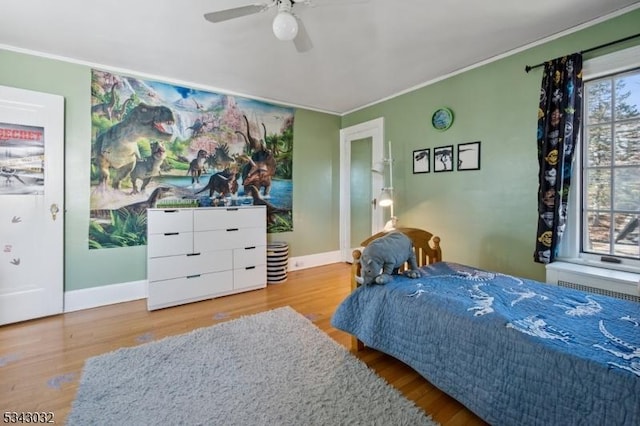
(285, 26)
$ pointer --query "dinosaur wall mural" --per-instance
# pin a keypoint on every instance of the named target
(152, 140)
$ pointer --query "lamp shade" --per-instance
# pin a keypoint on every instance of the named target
(285, 26)
(385, 198)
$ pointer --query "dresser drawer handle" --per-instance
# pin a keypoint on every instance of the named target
(250, 248)
(170, 211)
(171, 233)
(250, 267)
(193, 276)
(232, 229)
(232, 209)
(193, 254)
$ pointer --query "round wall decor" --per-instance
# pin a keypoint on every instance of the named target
(442, 119)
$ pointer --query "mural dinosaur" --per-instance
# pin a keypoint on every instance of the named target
(105, 109)
(146, 169)
(117, 147)
(197, 166)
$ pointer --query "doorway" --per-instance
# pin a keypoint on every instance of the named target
(361, 146)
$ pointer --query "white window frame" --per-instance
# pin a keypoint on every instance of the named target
(569, 250)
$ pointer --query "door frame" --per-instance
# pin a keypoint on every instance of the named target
(373, 129)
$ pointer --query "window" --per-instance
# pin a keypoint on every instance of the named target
(611, 166)
(604, 208)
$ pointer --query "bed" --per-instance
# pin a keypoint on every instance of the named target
(512, 350)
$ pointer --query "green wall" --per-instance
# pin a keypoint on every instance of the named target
(315, 174)
(488, 217)
(485, 218)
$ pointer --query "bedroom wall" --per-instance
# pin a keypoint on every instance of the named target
(315, 174)
(485, 218)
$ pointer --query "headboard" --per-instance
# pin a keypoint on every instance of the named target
(425, 245)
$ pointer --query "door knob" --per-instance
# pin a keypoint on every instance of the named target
(54, 211)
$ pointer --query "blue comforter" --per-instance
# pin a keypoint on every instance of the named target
(512, 350)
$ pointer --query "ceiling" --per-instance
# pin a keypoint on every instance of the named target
(363, 50)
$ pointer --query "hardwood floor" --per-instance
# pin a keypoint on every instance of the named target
(41, 360)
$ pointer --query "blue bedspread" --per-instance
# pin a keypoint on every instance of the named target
(512, 350)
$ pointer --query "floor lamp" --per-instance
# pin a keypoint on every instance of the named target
(386, 197)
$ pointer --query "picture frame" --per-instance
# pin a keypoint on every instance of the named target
(468, 156)
(443, 159)
(421, 161)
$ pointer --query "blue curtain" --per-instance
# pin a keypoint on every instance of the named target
(559, 117)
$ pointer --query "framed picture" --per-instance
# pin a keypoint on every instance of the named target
(421, 160)
(443, 158)
(469, 156)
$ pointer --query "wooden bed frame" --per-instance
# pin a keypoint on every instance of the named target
(425, 245)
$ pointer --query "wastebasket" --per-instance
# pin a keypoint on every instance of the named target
(277, 262)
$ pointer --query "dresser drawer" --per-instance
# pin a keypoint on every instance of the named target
(160, 221)
(169, 244)
(200, 253)
(250, 277)
(250, 256)
(229, 239)
(184, 290)
(163, 268)
(231, 217)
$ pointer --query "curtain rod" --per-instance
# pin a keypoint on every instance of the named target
(530, 67)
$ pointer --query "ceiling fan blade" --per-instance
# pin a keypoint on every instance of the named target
(312, 3)
(236, 12)
(302, 41)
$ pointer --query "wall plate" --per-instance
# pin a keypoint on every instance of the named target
(442, 119)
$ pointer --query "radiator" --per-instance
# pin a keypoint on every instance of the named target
(623, 285)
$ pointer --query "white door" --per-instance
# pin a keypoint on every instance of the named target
(31, 204)
(360, 152)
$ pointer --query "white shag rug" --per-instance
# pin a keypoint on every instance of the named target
(272, 368)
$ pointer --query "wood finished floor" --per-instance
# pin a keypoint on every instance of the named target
(41, 360)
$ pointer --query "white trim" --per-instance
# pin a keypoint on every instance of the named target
(313, 260)
(597, 277)
(612, 63)
(569, 250)
(157, 77)
(503, 55)
(528, 46)
(373, 129)
(94, 297)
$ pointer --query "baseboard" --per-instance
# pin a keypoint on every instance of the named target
(312, 260)
(95, 297)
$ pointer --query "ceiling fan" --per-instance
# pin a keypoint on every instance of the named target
(286, 25)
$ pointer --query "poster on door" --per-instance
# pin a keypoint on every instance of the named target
(21, 159)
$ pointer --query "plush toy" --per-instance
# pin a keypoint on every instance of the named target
(383, 256)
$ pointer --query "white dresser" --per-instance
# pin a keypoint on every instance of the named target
(201, 253)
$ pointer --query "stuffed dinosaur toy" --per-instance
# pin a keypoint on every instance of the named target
(383, 256)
